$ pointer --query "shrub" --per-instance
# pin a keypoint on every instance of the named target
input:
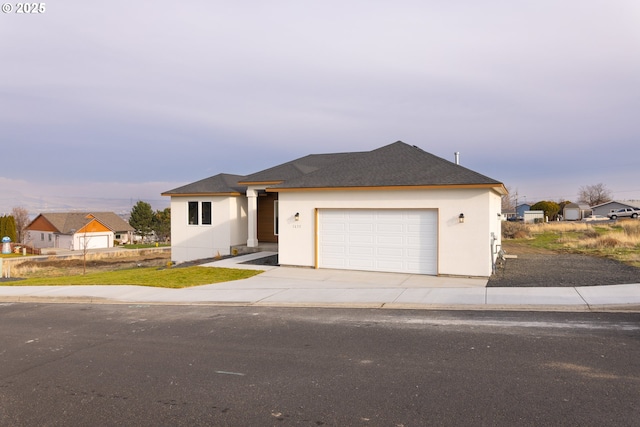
(631, 228)
(514, 230)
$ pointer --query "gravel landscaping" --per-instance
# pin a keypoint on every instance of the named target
(557, 270)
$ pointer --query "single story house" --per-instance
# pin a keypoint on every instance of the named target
(604, 208)
(393, 209)
(518, 214)
(76, 230)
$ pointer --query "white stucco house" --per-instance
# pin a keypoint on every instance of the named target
(393, 209)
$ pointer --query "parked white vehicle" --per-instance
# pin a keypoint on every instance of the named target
(624, 213)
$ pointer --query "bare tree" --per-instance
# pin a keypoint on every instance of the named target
(594, 194)
(84, 246)
(21, 216)
(509, 200)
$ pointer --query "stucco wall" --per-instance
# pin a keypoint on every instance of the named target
(191, 242)
(238, 227)
(464, 249)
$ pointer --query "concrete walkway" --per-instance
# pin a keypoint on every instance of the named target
(303, 287)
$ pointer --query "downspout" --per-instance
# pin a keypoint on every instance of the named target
(493, 252)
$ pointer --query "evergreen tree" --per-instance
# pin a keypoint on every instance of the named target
(162, 224)
(141, 219)
(550, 209)
(8, 227)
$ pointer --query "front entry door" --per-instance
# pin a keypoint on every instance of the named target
(267, 217)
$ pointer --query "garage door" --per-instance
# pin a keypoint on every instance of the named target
(403, 241)
(93, 242)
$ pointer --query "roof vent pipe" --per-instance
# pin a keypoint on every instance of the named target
(457, 154)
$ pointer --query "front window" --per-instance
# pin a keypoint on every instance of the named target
(199, 213)
(206, 213)
(193, 213)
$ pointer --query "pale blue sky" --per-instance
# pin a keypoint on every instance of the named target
(105, 103)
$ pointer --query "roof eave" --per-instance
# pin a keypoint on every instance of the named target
(260, 182)
(499, 188)
(230, 193)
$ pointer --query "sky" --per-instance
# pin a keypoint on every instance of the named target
(103, 104)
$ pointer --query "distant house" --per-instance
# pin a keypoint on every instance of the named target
(604, 208)
(394, 209)
(77, 230)
(575, 211)
(521, 209)
(518, 214)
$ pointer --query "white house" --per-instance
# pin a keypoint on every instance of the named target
(76, 230)
(393, 209)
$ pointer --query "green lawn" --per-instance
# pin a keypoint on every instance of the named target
(161, 278)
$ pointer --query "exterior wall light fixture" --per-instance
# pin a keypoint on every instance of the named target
(461, 218)
(297, 216)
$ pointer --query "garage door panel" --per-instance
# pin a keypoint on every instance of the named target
(391, 252)
(334, 250)
(335, 239)
(379, 240)
(360, 228)
(390, 265)
(336, 262)
(360, 264)
(360, 239)
(336, 227)
(391, 240)
(360, 250)
(389, 228)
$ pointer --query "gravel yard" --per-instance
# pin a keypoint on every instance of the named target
(550, 269)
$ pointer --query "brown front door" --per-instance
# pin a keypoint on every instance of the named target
(267, 217)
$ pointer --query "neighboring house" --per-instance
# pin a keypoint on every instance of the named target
(521, 209)
(76, 230)
(576, 211)
(395, 209)
(604, 208)
(518, 214)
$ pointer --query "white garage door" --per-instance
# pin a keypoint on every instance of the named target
(93, 242)
(403, 241)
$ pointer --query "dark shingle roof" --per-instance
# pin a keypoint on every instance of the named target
(223, 183)
(296, 168)
(394, 165)
(397, 164)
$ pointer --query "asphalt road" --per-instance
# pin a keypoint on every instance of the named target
(141, 365)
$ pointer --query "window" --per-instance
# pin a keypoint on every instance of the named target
(193, 213)
(42, 236)
(206, 213)
(199, 213)
(49, 237)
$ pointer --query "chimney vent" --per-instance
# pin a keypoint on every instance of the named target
(457, 154)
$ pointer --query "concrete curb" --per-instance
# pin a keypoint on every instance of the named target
(601, 308)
